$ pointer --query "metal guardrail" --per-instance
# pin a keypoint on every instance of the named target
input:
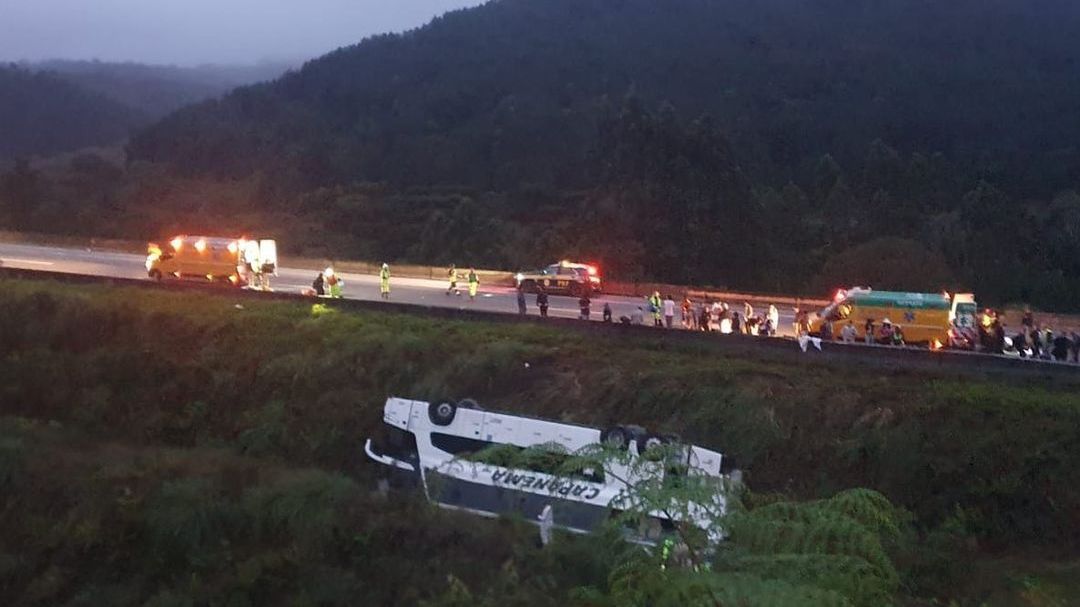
(774, 350)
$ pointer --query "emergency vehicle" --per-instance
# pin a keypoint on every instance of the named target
(237, 261)
(430, 443)
(564, 277)
(934, 319)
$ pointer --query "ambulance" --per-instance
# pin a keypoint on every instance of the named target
(240, 262)
(936, 320)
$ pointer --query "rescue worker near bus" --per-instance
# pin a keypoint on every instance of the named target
(474, 283)
(384, 281)
(655, 304)
(451, 276)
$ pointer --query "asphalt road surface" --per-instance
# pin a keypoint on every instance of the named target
(357, 286)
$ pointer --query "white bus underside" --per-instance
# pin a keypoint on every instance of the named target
(580, 504)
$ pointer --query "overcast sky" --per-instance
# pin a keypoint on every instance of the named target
(186, 32)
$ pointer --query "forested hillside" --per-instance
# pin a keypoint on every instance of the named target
(775, 145)
(43, 114)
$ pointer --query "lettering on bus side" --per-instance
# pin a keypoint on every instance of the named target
(561, 487)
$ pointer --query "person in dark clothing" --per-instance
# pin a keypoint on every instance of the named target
(319, 285)
(869, 331)
(1034, 342)
(736, 323)
(703, 319)
(585, 305)
(542, 302)
(607, 312)
(1061, 348)
(1075, 347)
(998, 342)
(522, 308)
(1028, 321)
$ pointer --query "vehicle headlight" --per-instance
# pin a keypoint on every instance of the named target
(519, 277)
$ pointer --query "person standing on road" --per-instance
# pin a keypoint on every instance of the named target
(319, 285)
(736, 323)
(687, 310)
(607, 312)
(774, 316)
(474, 283)
(669, 312)
(384, 281)
(542, 301)
(336, 283)
(848, 333)
(868, 331)
(451, 277)
(585, 305)
(748, 313)
(522, 311)
(1075, 347)
(655, 304)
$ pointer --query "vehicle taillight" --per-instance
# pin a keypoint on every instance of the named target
(593, 271)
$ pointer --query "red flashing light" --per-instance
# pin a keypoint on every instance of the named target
(593, 271)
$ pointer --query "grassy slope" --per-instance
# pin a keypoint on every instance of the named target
(194, 387)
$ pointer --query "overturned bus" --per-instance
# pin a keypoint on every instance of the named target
(431, 443)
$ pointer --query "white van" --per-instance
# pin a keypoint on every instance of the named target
(429, 442)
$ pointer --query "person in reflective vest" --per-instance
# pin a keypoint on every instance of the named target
(384, 281)
(665, 552)
(654, 306)
(451, 277)
(335, 283)
(474, 283)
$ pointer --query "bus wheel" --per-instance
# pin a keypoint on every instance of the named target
(442, 412)
(650, 441)
(468, 403)
(616, 437)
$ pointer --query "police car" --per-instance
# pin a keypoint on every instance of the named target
(564, 277)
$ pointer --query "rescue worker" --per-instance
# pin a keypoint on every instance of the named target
(336, 283)
(384, 281)
(655, 304)
(319, 285)
(542, 301)
(665, 552)
(522, 311)
(474, 283)
(451, 276)
(585, 305)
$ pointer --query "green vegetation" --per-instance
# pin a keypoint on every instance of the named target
(170, 447)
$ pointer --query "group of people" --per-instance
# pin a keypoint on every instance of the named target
(472, 277)
(888, 334)
(1031, 340)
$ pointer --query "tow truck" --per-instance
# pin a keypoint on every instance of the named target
(564, 277)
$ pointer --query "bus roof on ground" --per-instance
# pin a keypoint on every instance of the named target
(899, 299)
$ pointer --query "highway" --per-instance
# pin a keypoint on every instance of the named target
(357, 286)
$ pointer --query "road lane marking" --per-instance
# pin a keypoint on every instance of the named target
(32, 262)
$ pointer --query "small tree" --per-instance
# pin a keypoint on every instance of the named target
(719, 552)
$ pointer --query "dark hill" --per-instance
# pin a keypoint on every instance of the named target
(511, 92)
(42, 114)
(157, 90)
